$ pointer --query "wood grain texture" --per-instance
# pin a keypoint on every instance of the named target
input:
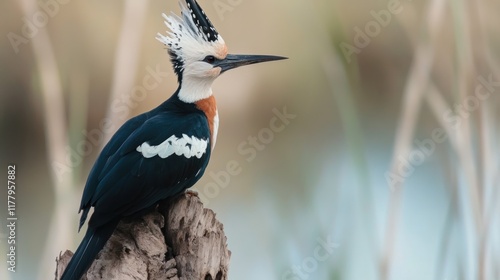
(180, 240)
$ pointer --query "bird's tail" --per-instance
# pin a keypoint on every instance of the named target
(91, 245)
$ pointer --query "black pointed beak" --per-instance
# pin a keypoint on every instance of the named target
(234, 61)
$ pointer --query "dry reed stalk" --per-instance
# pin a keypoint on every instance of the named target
(56, 138)
(126, 58)
(416, 84)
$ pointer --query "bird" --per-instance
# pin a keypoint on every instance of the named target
(159, 154)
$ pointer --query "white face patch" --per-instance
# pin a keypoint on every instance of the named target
(185, 146)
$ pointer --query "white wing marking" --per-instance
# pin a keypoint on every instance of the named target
(185, 146)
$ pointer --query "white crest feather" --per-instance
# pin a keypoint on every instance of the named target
(184, 38)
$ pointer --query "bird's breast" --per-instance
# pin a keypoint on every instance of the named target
(209, 107)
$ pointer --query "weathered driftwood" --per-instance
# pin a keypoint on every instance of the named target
(181, 240)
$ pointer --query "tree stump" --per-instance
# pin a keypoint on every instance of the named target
(180, 240)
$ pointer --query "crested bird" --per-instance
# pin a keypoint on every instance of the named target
(161, 153)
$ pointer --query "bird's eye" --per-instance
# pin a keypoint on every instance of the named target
(209, 59)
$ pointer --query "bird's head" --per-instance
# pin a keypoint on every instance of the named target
(198, 52)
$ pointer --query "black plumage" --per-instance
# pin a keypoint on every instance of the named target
(123, 182)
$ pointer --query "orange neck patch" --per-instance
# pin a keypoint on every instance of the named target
(209, 107)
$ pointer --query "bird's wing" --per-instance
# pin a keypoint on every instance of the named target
(131, 179)
(108, 151)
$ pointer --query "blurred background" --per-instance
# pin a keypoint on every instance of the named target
(370, 154)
